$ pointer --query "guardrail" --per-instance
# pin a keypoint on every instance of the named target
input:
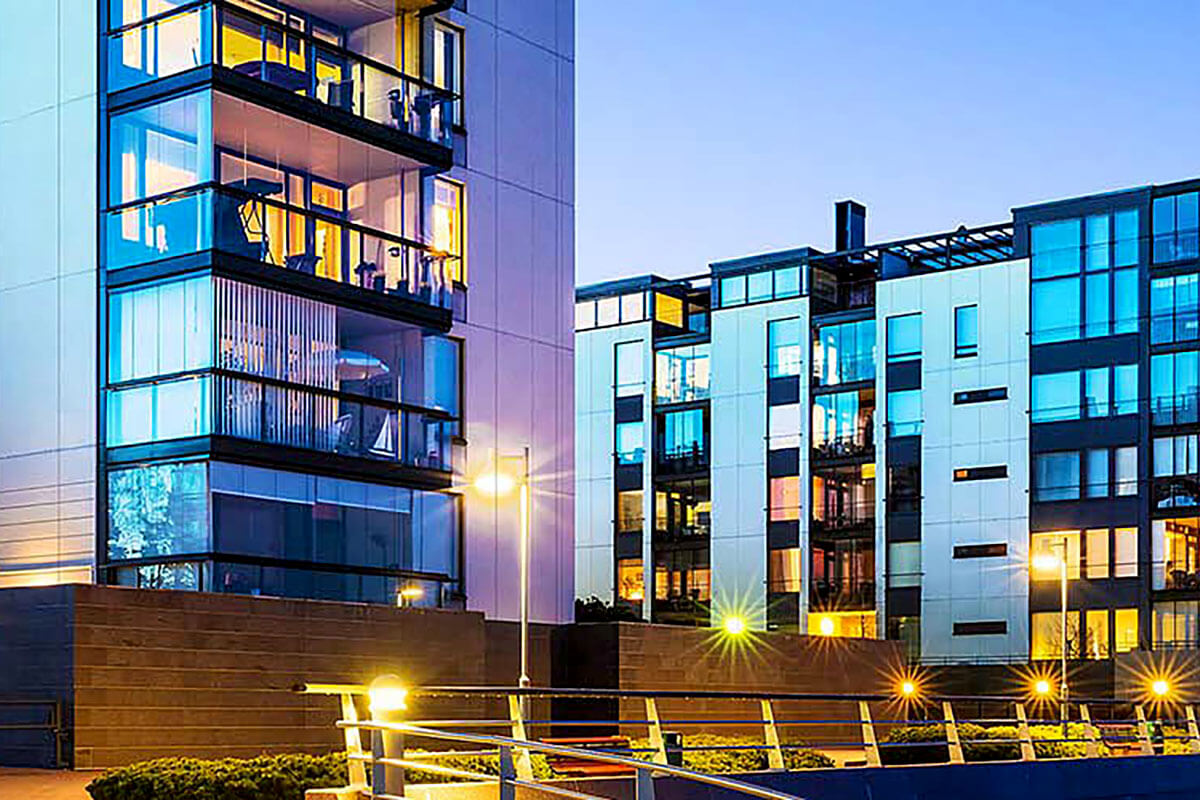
(52, 724)
(1119, 727)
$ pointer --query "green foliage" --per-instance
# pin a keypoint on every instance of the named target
(992, 743)
(596, 610)
(721, 761)
(282, 777)
(468, 762)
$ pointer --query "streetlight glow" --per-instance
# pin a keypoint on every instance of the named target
(1160, 687)
(387, 693)
(1042, 687)
(734, 626)
(908, 688)
(1046, 562)
(826, 626)
(495, 484)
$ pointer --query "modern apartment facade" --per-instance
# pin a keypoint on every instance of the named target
(880, 440)
(304, 269)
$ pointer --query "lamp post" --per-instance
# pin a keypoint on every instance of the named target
(496, 484)
(1046, 563)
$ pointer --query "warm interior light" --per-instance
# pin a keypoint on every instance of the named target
(387, 693)
(1046, 562)
(826, 626)
(637, 594)
(495, 483)
(1160, 687)
(1042, 687)
(411, 593)
(734, 626)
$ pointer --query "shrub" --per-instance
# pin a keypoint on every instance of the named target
(979, 743)
(720, 761)
(282, 777)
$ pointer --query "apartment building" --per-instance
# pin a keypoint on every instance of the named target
(882, 439)
(291, 274)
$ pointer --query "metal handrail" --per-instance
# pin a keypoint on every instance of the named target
(573, 752)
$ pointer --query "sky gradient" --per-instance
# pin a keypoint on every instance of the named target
(708, 130)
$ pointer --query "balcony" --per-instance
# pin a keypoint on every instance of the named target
(682, 460)
(241, 45)
(843, 594)
(248, 224)
(272, 412)
(834, 517)
(854, 445)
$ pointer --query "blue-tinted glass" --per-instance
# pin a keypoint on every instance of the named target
(1097, 305)
(630, 372)
(1125, 246)
(1163, 226)
(159, 49)
(1097, 472)
(681, 374)
(787, 282)
(1055, 248)
(1055, 310)
(175, 409)
(683, 432)
(1125, 301)
(1097, 242)
(1187, 304)
(1162, 388)
(1162, 310)
(759, 287)
(1187, 218)
(630, 442)
(733, 290)
(125, 12)
(904, 337)
(1125, 389)
(1055, 396)
(160, 329)
(176, 226)
(904, 413)
(1056, 476)
(441, 374)
(160, 148)
(966, 330)
(1095, 392)
(784, 343)
(158, 510)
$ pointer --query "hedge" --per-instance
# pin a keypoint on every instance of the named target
(285, 777)
(978, 743)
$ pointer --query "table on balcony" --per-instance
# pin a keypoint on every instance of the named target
(273, 72)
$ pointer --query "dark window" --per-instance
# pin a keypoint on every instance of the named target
(980, 395)
(980, 628)
(966, 331)
(980, 473)
(904, 487)
(980, 550)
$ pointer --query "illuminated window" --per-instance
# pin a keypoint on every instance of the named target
(783, 570)
(1179, 542)
(1045, 635)
(1126, 630)
(631, 580)
(629, 511)
(448, 226)
(1176, 623)
(849, 624)
(785, 499)
(1125, 553)
(1097, 553)
(904, 564)
(1095, 642)
(668, 310)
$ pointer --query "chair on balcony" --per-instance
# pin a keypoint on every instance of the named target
(231, 230)
(341, 95)
(302, 262)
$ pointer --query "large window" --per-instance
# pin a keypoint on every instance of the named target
(758, 287)
(681, 374)
(630, 373)
(1174, 388)
(610, 311)
(160, 329)
(1056, 476)
(1176, 227)
(844, 353)
(785, 499)
(631, 580)
(1055, 396)
(904, 415)
(158, 510)
(785, 347)
(1088, 634)
(630, 442)
(683, 433)
(447, 220)
(783, 426)
(966, 331)
(1176, 544)
(1106, 391)
(1175, 309)
(1176, 624)
(1084, 277)
(629, 511)
(783, 570)
(904, 564)
(843, 423)
(904, 337)
(155, 412)
(160, 148)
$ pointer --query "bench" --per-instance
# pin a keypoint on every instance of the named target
(576, 767)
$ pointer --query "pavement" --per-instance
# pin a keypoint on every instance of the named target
(44, 784)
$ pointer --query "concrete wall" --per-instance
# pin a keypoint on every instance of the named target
(518, 168)
(47, 291)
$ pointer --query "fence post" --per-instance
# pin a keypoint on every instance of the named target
(870, 744)
(378, 768)
(952, 740)
(771, 733)
(508, 773)
(1092, 747)
(1143, 731)
(353, 737)
(656, 736)
(1027, 753)
(645, 784)
(524, 765)
(1193, 731)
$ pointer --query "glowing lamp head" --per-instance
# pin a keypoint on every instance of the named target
(1160, 688)
(734, 626)
(411, 593)
(907, 688)
(1046, 562)
(826, 626)
(1042, 687)
(495, 483)
(387, 694)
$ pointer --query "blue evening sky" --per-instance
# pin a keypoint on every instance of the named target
(711, 129)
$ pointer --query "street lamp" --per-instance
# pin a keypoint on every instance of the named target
(498, 483)
(1046, 562)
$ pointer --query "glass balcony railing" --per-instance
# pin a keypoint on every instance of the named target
(207, 34)
(258, 228)
(844, 516)
(245, 407)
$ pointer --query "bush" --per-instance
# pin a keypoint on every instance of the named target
(720, 761)
(993, 743)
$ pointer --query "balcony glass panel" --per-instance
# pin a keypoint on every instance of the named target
(681, 374)
(289, 58)
(260, 229)
(844, 424)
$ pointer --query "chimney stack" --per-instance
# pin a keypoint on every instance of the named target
(851, 220)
